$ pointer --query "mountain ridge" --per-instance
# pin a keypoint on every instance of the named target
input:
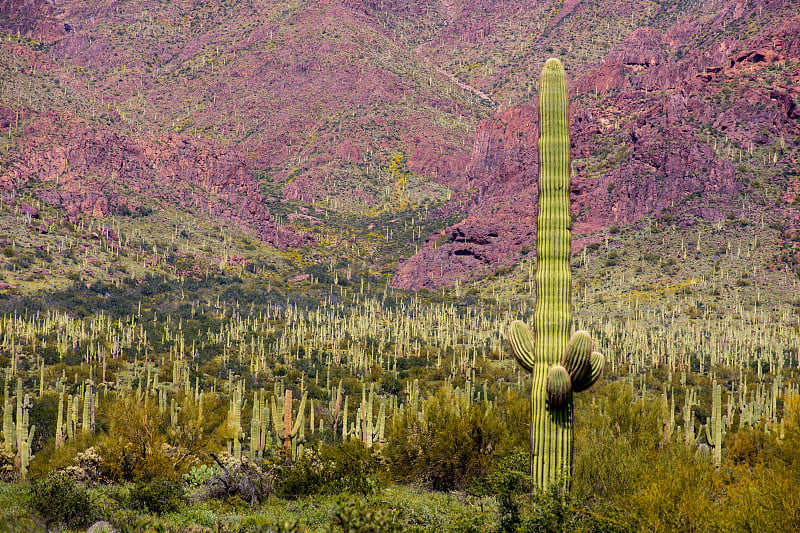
(349, 105)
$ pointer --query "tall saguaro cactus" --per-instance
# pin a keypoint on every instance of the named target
(559, 365)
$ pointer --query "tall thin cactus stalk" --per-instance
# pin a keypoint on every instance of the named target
(559, 365)
(9, 429)
(715, 430)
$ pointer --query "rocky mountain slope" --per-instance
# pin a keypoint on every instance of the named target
(247, 111)
(696, 122)
(308, 95)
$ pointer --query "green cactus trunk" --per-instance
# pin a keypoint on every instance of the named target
(551, 429)
(560, 364)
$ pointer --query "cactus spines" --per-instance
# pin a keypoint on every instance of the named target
(559, 364)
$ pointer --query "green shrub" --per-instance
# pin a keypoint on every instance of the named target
(629, 478)
(128, 521)
(549, 510)
(15, 515)
(354, 516)
(616, 436)
(509, 482)
(347, 467)
(158, 497)
(8, 468)
(454, 444)
(198, 476)
(132, 450)
(255, 525)
(60, 500)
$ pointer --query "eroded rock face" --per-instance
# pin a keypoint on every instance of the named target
(309, 94)
(94, 171)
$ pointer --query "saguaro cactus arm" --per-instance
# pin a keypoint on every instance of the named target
(522, 344)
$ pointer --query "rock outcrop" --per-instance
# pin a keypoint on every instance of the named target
(94, 171)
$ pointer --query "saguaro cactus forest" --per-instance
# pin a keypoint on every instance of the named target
(559, 364)
(279, 266)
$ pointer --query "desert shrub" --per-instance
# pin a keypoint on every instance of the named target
(43, 415)
(14, 525)
(158, 497)
(763, 498)
(88, 468)
(763, 477)
(241, 478)
(616, 436)
(548, 510)
(258, 525)
(354, 516)
(15, 515)
(50, 458)
(676, 492)
(8, 468)
(346, 467)
(509, 481)
(60, 500)
(131, 450)
(141, 444)
(198, 476)
(628, 477)
(453, 442)
(129, 521)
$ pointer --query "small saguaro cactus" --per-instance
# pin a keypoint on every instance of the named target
(18, 436)
(559, 364)
(9, 429)
(715, 430)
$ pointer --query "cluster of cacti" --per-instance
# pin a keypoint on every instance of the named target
(559, 364)
(260, 436)
(70, 406)
(366, 429)
(291, 434)
(159, 356)
(442, 332)
(17, 435)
